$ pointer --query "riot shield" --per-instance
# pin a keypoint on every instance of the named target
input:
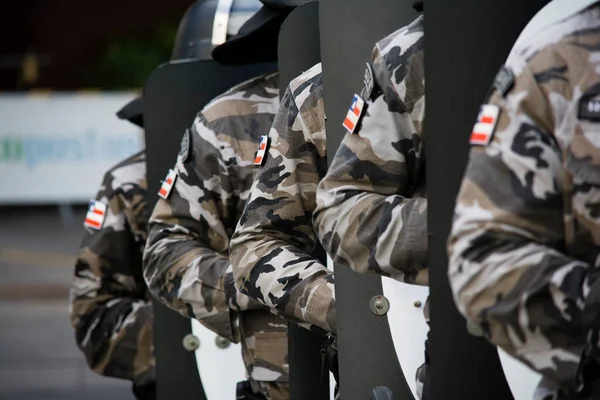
(460, 66)
(349, 29)
(299, 49)
(173, 94)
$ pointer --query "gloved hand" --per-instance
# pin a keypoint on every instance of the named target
(243, 391)
(145, 392)
(329, 352)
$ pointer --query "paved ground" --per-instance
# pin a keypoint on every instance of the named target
(38, 356)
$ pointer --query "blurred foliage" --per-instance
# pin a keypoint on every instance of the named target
(127, 62)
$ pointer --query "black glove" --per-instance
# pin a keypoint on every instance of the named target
(329, 352)
(243, 391)
(145, 392)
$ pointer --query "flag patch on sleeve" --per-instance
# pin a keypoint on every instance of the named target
(260, 157)
(354, 113)
(483, 130)
(95, 215)
(167, 184)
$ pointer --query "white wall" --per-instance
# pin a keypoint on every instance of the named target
(55, 148)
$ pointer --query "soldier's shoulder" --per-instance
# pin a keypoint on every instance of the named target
(311, 77)
(242, 98)
(131, 170)
(402, 42)
(575, 29)
(308, 86)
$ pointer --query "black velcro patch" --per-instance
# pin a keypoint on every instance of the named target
(504, 81)
(589, 109)
(184, 150)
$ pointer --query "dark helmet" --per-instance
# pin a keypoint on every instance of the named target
(194, 35)
(256, 40)
(133, 112)
(194, 40)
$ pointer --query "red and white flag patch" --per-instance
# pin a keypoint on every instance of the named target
(262, 150)
(167, 184)
(95, 215)
(483, 130)
(354, 113)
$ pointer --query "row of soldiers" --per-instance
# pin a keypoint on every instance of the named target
(250, 196)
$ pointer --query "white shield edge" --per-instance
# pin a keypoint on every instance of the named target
(407, 326)
(220, 369)
(522, 380)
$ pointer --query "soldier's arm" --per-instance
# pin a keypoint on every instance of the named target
(108, 306)
(186, 262)
(508, 269)
(271, 248)
(368, 217)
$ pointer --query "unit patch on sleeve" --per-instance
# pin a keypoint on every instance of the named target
(504, 80)
(354, 114)
(486, 123)
(263, 147)
(167, 184)
(184, 150)
(369, 82)
(95, 215)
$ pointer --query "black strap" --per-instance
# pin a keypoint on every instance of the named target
(145, 392)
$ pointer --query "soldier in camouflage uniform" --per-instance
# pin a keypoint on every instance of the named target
(109, 304)
(525, 240)
(271, 248)
(187, 255)
(110, 308)
(371, 213)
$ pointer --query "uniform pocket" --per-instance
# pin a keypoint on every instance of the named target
(271, 356)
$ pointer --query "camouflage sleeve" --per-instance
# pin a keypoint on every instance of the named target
(186, 262)
(271, 248)
(108, 306)
(508, 269)
(370, 215)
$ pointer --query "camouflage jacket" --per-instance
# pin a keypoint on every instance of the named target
(371, 214)
(271, 248)
(525, 243)
(109, 306)
(186, 261)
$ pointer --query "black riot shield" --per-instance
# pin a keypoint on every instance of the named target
(299, 49)
(460, 65)
(173, 94)
(349, 30)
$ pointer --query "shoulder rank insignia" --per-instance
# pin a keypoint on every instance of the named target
(354, 114)
(263, 147)
(95, 215)
(167, 184)
(184, 150)
(486, 124)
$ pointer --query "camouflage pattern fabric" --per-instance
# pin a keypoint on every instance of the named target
(109, 305)
(371, 212)
(525, 242)
(186, 261)
(271, 248)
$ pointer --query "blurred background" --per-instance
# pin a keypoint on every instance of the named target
(66, 68)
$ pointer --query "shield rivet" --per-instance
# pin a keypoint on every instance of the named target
(191, 342)
(379, 305)
(221, 342)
